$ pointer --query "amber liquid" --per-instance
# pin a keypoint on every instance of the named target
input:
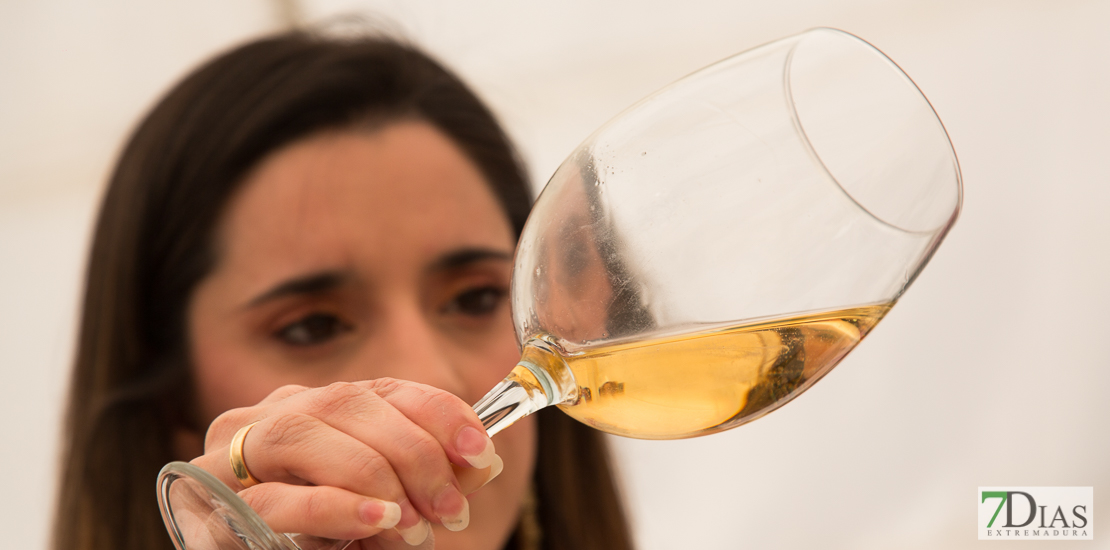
(694, 384)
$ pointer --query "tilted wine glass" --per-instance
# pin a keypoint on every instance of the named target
(701, 259)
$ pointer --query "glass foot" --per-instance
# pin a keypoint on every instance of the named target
(201, 513)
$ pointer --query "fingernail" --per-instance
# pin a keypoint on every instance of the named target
(459, 521)
(412, 527)
(444, 504)
(379, 513)
(475, 447)
(495, 469)
(415, 534)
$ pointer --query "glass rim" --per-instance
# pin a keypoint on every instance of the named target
(912, 87)
(249, 519)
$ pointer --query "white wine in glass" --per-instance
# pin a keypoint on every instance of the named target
(703, 382)
(700, 260)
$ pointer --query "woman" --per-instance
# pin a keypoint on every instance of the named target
(298, 212)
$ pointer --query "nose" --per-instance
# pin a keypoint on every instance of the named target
(406, 344)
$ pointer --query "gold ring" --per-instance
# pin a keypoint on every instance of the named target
(238, 465)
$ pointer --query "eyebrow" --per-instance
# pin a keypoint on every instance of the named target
(313, 283)
(323, 281)
(466, 256)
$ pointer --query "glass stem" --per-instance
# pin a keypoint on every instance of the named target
(540, 379)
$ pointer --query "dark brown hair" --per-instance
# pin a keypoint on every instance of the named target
(153, 243)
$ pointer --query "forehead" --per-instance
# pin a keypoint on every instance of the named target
(403, 192)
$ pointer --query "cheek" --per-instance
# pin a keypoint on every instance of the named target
(221, 383)
(227, 373)
(492, 372)
(507, 352)
(486, 359)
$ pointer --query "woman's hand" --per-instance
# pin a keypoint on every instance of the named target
(355, 459)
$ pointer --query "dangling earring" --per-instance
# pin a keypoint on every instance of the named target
(529, 533)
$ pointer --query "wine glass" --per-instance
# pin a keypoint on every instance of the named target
(702, 259)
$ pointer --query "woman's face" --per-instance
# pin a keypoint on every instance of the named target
(354, 255)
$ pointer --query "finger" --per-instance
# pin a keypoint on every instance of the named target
(223, 428)
(282, 393)
(417, 535)
(417, 457)
(388, 540)
(298, 448)
(225, 425)
(472, 479)
(443, 415)
(328, 512)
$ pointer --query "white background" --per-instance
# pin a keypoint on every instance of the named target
(993, 370)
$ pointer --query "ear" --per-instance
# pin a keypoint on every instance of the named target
(187, 444)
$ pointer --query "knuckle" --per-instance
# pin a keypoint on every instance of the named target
(224, 427)
(260, 499)
(421, 396)
(442, 401)
(342, 390)
(337, 398)
(286, 391)
(423, 450)
(386, 386)
(315, 505)
(287, 430)
(371, 466)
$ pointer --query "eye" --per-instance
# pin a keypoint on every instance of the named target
(477, 302)
(313, 329)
